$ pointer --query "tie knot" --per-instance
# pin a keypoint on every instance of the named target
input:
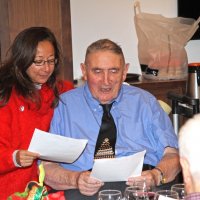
(106, 107)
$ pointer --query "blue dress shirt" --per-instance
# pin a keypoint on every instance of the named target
(140, 121)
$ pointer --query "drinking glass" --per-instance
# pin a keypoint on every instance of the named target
(166, 193)
(110, 195)
(180, 189)
(136, 193)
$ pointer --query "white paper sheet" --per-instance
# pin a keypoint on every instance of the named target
(55, 147)
(118, 169)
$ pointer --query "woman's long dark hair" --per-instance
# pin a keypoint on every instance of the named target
(21, 55)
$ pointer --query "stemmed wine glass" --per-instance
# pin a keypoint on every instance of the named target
(109, 195)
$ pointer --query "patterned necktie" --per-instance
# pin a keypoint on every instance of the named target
(105, 145)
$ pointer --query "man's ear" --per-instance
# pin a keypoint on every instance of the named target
(126, 67)
(187, 175)
(84, 72)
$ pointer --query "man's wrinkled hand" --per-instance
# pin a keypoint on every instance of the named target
(88, 186)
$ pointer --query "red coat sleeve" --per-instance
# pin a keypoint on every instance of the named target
(6, 149)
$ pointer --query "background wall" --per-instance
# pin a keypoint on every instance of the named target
(114, 19)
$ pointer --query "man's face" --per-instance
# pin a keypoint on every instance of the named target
(104, 71)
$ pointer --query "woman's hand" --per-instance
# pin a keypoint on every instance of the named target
(25, 158)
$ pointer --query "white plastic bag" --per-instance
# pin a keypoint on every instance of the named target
(161, 44)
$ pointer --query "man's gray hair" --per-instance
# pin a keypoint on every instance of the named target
(104, 45)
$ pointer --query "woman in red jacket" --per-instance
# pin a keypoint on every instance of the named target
(29, 91)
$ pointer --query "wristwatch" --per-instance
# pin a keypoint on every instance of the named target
(162, 177)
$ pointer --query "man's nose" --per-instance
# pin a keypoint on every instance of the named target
(106, 78)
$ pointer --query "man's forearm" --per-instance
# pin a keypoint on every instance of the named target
(59, 178)
(170, 164)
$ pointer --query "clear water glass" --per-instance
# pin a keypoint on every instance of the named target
(109, 195)
(135, 193)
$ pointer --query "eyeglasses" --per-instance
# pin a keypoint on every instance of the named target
(42, 62)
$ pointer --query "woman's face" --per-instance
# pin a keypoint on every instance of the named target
(44, 63)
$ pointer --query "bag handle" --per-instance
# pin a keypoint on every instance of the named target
(137, 7)
(196, 26)
(197, 21)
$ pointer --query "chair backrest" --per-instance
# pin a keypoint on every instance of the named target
(167, 108)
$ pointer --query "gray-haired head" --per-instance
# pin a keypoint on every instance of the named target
(189, 144)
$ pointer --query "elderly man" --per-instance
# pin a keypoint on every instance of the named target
(139, 124)
(189, 138)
